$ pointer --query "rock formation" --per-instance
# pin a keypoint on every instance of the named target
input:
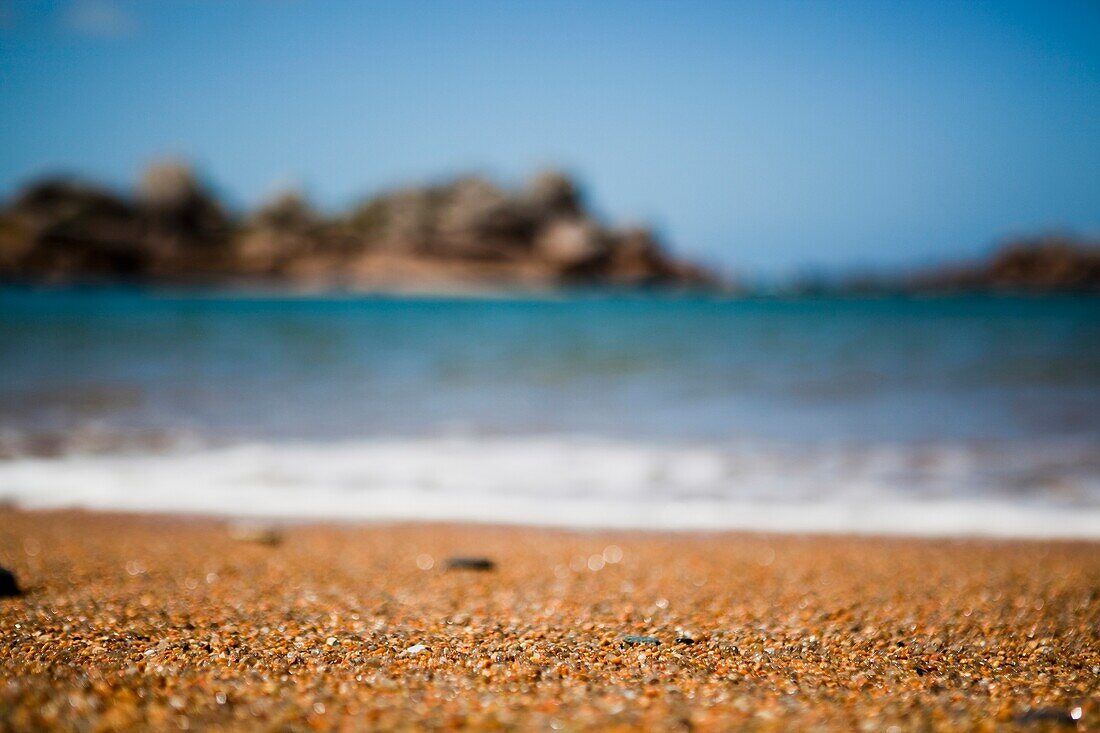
(465, 232)
(1042, 264)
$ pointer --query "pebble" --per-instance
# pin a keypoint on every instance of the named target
(256, 532)
(8, 586)
(415, 649)
(634, 640)
(482, 564)
(1050, 715)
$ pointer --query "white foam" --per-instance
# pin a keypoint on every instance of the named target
(580, 482)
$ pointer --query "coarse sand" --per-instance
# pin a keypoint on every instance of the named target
(170, 623)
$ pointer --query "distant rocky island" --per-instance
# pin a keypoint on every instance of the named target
(1052, 263)
(466, 233)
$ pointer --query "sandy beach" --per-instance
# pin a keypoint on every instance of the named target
(150, 622)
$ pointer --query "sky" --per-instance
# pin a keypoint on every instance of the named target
(768, 138)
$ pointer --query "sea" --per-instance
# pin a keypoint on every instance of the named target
(942, 416)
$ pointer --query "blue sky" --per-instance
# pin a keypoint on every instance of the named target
(771, 138)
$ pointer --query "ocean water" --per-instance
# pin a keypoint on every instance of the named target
(957, 416)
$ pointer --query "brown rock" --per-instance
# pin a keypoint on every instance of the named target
(554, 194)
(478, 220)
(1052, 263)
(283, 230)
(1044, 264)
(401, 221)
(458, 234)
(572, 246)
(61, 228)
(180, 212)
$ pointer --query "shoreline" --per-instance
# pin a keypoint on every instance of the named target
(323, 522)
(915, 520)
(244, 289)
(145, 620)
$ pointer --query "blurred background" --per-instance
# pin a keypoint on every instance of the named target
(791, 266)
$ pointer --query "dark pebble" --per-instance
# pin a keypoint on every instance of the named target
(684, 640)
(1046, 715)
(651, 640)
(8, 586)
(470, 563)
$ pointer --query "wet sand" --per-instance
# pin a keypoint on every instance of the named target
(172, 623)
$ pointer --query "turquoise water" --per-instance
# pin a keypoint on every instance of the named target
(959, 397)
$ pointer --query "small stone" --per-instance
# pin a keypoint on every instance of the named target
(635, 640)
(8, 586)
(256, 532)
(1048, 715)
(684, 640)
(414, 650)
(482, 564)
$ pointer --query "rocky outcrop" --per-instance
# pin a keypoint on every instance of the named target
(465, 232)
(1043, 264)
(284, 230)
(1037, 265)
(59, 229)
(1053, 263)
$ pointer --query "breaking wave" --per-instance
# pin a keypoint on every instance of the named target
(995, 489)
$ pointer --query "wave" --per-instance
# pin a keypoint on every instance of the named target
(989, 489)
